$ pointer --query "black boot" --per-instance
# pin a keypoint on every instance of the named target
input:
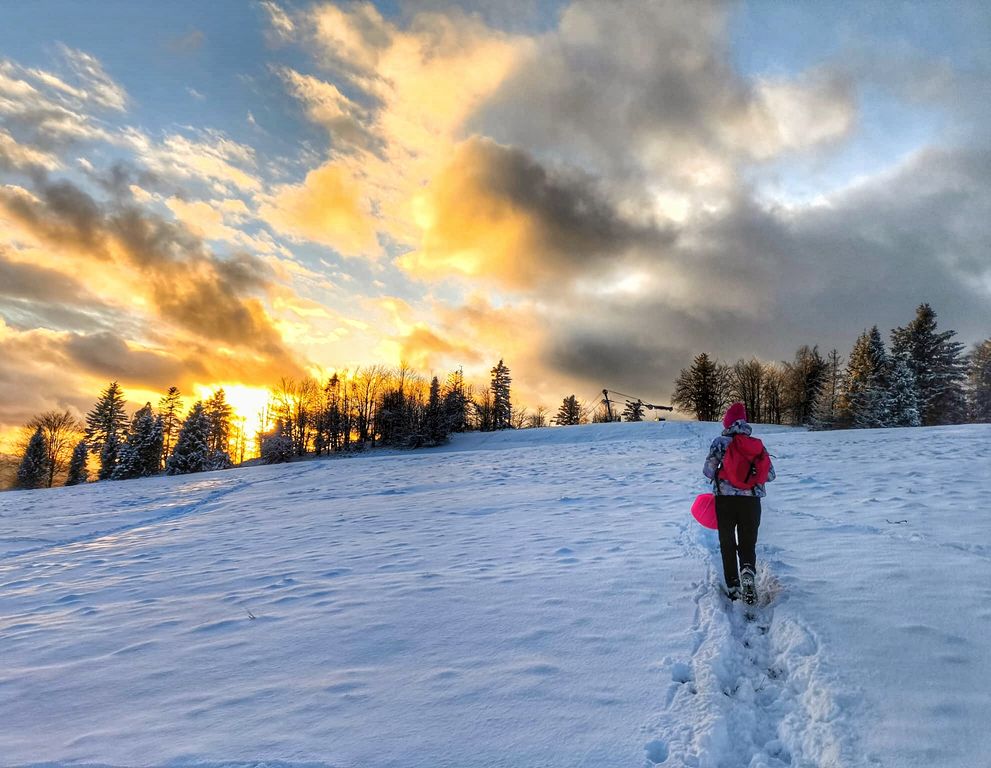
(749, 587)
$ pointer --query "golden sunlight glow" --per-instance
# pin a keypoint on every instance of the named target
(248, 404)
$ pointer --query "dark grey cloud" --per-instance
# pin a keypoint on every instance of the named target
(765, 281)
(617, 77)
(107, 355)
(561, 224)
(572, 217)
(32, 296)
(120, 176)
(23, 280)
(643, 99)
(516, 16)
(624, 357)
(64, 216)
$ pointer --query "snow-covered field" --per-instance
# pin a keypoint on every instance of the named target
(540, 598)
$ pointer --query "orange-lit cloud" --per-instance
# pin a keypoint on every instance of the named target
(416, 88)
(327, 208)
(494, 212)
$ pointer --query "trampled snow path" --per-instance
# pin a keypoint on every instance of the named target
(752, 685)
(516, 599)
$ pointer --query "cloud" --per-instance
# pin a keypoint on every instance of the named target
(17, 157)
(281, 26)
(32, 380)
(800, 113)
(400, 94)
(46, 370)
(664, 108)
(426, 350)
(757, 281)
(190, 42)
(593, 188)
(210, 157)
(23, 280)
(46, 111)
(97, 86)
(185, 283)
(327, 208)
(346, 121)
(494, 212)
(203, 219)
(110, 357)
(33, 296)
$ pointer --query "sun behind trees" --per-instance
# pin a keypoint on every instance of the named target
(922, 378)
(373, 406)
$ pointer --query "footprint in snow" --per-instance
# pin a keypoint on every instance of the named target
(657, 751)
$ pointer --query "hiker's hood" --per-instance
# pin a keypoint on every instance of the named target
(738, 427)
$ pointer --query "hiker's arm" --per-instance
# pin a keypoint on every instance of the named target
(770, 473)
(712, 460)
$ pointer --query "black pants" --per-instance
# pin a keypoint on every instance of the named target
(738, 518)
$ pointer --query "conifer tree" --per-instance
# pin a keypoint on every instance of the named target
(633, 411)
(78, 469)
(108, 418)
(390, 418)
(330, 422)
(502, 409)
(903, 399)
(702, 389)
(33, 470)
(140, 455)
(109, 455)
(979, 383)
(277, 446)
(192, 449)
(456, 400)
(937, 364)
(436, 420)
(569, 413)
(867, 402)
(219, 412)
(169, 407)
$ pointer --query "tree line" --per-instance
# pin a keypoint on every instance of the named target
(374, 406)
(921, 377)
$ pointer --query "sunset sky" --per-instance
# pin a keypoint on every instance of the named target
(226, 192)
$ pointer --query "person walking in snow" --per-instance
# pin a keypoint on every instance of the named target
(738, 466)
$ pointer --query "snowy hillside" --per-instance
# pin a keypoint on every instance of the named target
(540, 598)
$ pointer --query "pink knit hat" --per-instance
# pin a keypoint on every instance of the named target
(736, 412)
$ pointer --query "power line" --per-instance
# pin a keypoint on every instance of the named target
(649, 406)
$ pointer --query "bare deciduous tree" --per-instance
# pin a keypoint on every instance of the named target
(747, 386)
(61, 431)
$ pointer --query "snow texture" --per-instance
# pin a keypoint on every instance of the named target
(535, 598)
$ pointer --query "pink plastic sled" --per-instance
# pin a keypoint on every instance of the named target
(704, 510)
